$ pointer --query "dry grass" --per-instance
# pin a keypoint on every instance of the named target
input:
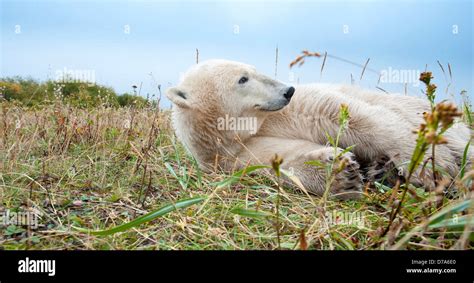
(103, 167)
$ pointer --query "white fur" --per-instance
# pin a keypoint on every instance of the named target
(380, 126)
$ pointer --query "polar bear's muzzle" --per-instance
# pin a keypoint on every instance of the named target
(277, 104)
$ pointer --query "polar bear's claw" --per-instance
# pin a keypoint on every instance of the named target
(349, 182)
(382, 170)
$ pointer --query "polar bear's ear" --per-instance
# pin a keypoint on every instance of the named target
(178, 97)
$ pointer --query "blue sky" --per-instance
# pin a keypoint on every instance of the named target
(397, 36)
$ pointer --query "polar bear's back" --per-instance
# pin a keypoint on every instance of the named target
(409, 108)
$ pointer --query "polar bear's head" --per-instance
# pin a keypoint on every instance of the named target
(229, 87)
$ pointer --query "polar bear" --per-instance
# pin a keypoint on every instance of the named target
(228, 116)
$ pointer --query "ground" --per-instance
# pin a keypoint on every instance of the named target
(102, 167)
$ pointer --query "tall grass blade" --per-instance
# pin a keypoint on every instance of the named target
(464, 159)
(448, 211)
(250, 213)
(238, 175)
(144, 218)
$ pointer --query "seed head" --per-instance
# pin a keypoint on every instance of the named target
(426, 77)
(300, 58)
(447, 112)
(431, 88)
(276, 162)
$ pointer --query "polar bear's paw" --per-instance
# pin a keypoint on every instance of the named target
(347, 179)
(348, 182)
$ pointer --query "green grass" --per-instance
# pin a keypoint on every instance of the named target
(91, 170)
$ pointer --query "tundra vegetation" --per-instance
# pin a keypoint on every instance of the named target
(103, 171)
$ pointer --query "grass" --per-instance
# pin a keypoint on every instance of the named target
(107, 178)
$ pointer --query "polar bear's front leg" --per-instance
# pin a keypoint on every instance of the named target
(344, 183)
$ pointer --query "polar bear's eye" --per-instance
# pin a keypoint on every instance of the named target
(243, 80)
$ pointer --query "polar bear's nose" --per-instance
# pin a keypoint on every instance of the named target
(289, 93)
